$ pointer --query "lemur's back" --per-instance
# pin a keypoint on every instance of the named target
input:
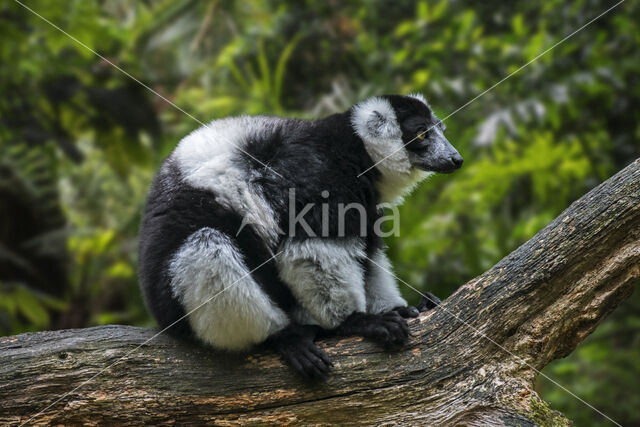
(202, 185)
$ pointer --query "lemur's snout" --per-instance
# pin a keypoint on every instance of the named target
(450, 161)
(457, 160)
(450, 164)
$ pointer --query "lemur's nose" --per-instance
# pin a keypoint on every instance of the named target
(457, 160)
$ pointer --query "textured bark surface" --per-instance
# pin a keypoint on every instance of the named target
(473, 360)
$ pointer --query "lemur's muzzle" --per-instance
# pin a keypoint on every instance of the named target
(441, 157)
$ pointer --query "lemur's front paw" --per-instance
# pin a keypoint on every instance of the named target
(428, 302)
(407, 312)
(389, 328)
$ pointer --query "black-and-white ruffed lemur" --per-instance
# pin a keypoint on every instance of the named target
(216, 216)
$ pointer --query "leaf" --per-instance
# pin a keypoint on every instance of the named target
(281, 66)
(517, 24)
(29, 306)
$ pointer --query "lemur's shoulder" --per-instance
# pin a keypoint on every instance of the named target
(222, 139)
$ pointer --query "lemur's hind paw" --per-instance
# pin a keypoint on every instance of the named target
(428, 302)
(308, 359)
(295, 345)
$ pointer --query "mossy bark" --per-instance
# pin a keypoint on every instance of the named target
(471, 361)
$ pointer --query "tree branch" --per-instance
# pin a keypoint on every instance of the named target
(472, 360)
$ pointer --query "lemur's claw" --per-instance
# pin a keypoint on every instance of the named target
(428, 302)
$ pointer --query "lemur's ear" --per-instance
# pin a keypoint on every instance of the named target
(375, 118)
(376, 123)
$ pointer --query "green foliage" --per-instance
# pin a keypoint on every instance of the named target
(80, 141)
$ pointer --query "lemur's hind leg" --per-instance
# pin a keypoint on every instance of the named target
(226, 307)
(295, 344)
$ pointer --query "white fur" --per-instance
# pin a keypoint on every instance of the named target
(419, 97)
(206, 159)
(326, 278)
(240, 313)
(395, 192)
(374, 120)
(381, 287)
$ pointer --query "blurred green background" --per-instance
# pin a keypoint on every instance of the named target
(80, 141)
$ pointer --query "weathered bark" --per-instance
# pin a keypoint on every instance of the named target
(472, 360)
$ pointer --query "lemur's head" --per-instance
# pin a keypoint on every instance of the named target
(407, 124)
(404, 139)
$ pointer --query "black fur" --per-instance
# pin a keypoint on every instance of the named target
(428, 302)
(414, 117)
(295, 344)
(390, 328)
(312, 157)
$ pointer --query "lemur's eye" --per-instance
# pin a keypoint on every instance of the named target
(420, 135)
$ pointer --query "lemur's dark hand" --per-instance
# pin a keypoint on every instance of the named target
(427, 302)
(407, 312)
(295, 345)
(389, 328)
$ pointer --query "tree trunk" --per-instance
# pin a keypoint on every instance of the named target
(473, 360)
